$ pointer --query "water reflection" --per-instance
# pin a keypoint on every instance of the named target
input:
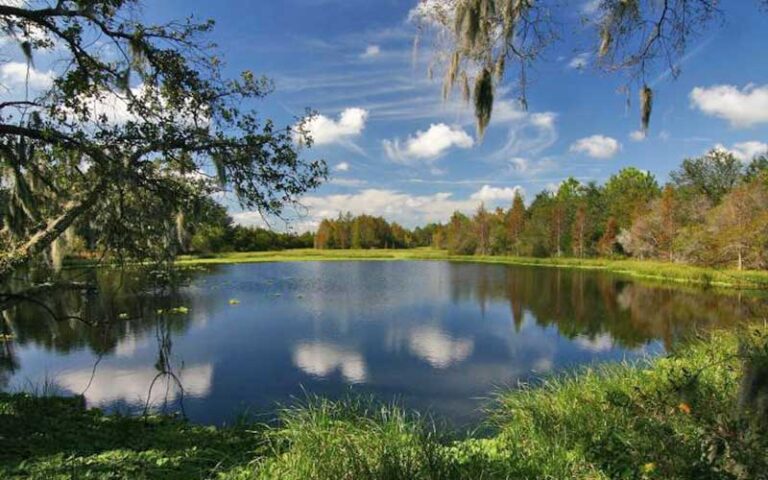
(435, 335)
(437, 347)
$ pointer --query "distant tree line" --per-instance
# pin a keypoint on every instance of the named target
(363, 231)
(713, 212)
(214, 231)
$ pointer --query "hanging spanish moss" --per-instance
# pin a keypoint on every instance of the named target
(472, 27)
(181, 231)
(466, 91)
(452, 74)
(415, 49)
(646, 106)
(58, 251)
(512, 9)
(483, 101)
(501, 65)
(606, 40)
(221, 172)
(26, 49)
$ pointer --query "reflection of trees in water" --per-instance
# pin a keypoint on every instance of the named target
(116, 304)
(590, 304)
(122, 303)
(8, 362)
(164, 367)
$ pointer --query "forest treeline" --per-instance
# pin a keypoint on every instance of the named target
(713, 212)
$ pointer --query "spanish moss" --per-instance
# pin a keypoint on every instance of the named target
(483, 101)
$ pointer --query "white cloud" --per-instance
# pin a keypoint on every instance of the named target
(597, 146)
(325, 131)
(321, 359)
(600, 343)
(407, 209)
(438, 348)
(746, 151)
(342, 167)
(14, 75)
(637, 136)
(490, 194)
(580, 61)
(131, 385)
(428, 145)
(371, 51)
(742, 108)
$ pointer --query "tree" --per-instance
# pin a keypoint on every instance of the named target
(557, 227)
(607, 244)
(516, 223)
(738, 228)
(628, 193)
(579, 233)
(482, 222)
(324, 235)
(757, 167)
(537, 233)
(569, 195)
(459, 235)
(652, 234)
(713, 175)
(129, 131)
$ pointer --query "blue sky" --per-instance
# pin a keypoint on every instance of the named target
(396, 149)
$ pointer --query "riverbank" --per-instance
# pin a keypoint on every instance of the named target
(676, 417)
(653, 270)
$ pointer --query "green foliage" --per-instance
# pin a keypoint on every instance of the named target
(713, 175)
(363, 231)
(713, 215)
(57, 438)
(628, 193)
(71, 160)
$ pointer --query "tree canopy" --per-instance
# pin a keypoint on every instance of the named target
(138, 124)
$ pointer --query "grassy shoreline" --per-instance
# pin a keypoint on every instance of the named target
(675, 417)
(646, 269)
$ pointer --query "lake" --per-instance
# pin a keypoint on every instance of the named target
(439, 337)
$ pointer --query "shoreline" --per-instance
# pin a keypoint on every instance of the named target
(643, 269)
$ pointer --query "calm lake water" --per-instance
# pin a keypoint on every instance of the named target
(435, 336)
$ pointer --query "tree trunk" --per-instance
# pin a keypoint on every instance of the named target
(40, 241)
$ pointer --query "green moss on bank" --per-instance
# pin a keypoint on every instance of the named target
(676, 417)
(647, 269)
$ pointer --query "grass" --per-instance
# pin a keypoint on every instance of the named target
(654, 270)
(677, 417)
